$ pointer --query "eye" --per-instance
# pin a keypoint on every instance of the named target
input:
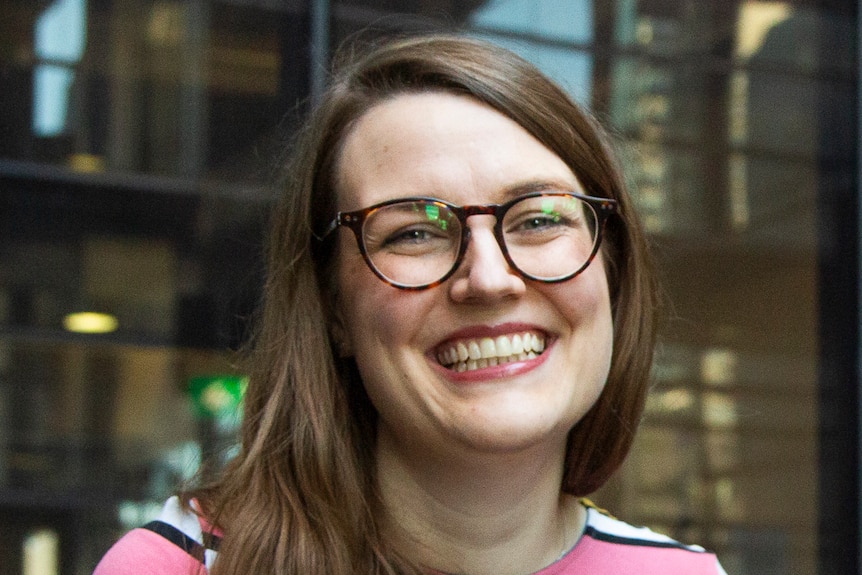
(417, 240)
(538, 223)
(541, 221)
(414, 235)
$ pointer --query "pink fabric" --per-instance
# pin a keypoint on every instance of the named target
(142, 551)
(603, 558)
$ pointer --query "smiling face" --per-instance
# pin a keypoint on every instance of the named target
(487, 361)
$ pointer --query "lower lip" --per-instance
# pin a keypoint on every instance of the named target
(502, 371)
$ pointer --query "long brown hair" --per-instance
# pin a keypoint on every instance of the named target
(300, 496)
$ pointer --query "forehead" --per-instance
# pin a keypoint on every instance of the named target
(442, 145)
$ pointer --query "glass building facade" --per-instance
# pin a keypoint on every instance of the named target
(139, 143)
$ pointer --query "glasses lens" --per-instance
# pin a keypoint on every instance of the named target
(412, 243)
(550, 236)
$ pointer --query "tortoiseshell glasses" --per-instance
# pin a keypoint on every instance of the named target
(417, 243)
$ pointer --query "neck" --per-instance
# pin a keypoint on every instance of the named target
(499, 513)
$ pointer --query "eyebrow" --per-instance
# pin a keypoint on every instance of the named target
(529, 186)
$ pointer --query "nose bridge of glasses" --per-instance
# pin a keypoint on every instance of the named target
(479, 210)
(488, 231)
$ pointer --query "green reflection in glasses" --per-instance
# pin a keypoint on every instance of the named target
(432, 212)
(548, 209)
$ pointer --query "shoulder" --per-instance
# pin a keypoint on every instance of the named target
(178, 542)
(611, 546)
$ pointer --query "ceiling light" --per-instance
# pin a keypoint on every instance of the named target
(90, 322)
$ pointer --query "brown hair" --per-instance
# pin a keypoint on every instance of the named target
(300, 496)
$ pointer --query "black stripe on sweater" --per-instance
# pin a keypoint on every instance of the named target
(182, 540)
(607, 537)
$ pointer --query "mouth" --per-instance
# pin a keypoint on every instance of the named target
(470, 354)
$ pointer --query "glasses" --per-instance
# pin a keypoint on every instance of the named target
(418, 243)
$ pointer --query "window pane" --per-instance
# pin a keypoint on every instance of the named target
(186, 89)
(567, 21)
(79, 419)
(737, 142)
(170, 268)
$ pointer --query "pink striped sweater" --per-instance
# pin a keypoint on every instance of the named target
(180, 543)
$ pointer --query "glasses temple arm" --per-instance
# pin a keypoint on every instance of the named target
(328, 229)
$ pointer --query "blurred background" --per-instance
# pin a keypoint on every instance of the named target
(138, 145)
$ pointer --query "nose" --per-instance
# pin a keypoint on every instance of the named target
(484, 273)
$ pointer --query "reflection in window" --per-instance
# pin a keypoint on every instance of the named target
(60, 37)
(570, 21)
(756, 19)
(41, 553)
(572, 69)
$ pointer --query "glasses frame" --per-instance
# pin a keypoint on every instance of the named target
(355, 220)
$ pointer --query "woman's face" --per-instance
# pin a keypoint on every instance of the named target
(459, 150)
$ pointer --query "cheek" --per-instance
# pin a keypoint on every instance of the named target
(585, 304)
(373, 314)
(603, 329)
(354, 292)
(600, 301)
(378, 333)
(587, 296)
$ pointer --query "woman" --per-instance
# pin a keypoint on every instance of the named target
(455, 343)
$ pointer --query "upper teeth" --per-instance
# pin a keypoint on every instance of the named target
(478, 353)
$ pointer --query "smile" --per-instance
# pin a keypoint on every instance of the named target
(470, 354)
